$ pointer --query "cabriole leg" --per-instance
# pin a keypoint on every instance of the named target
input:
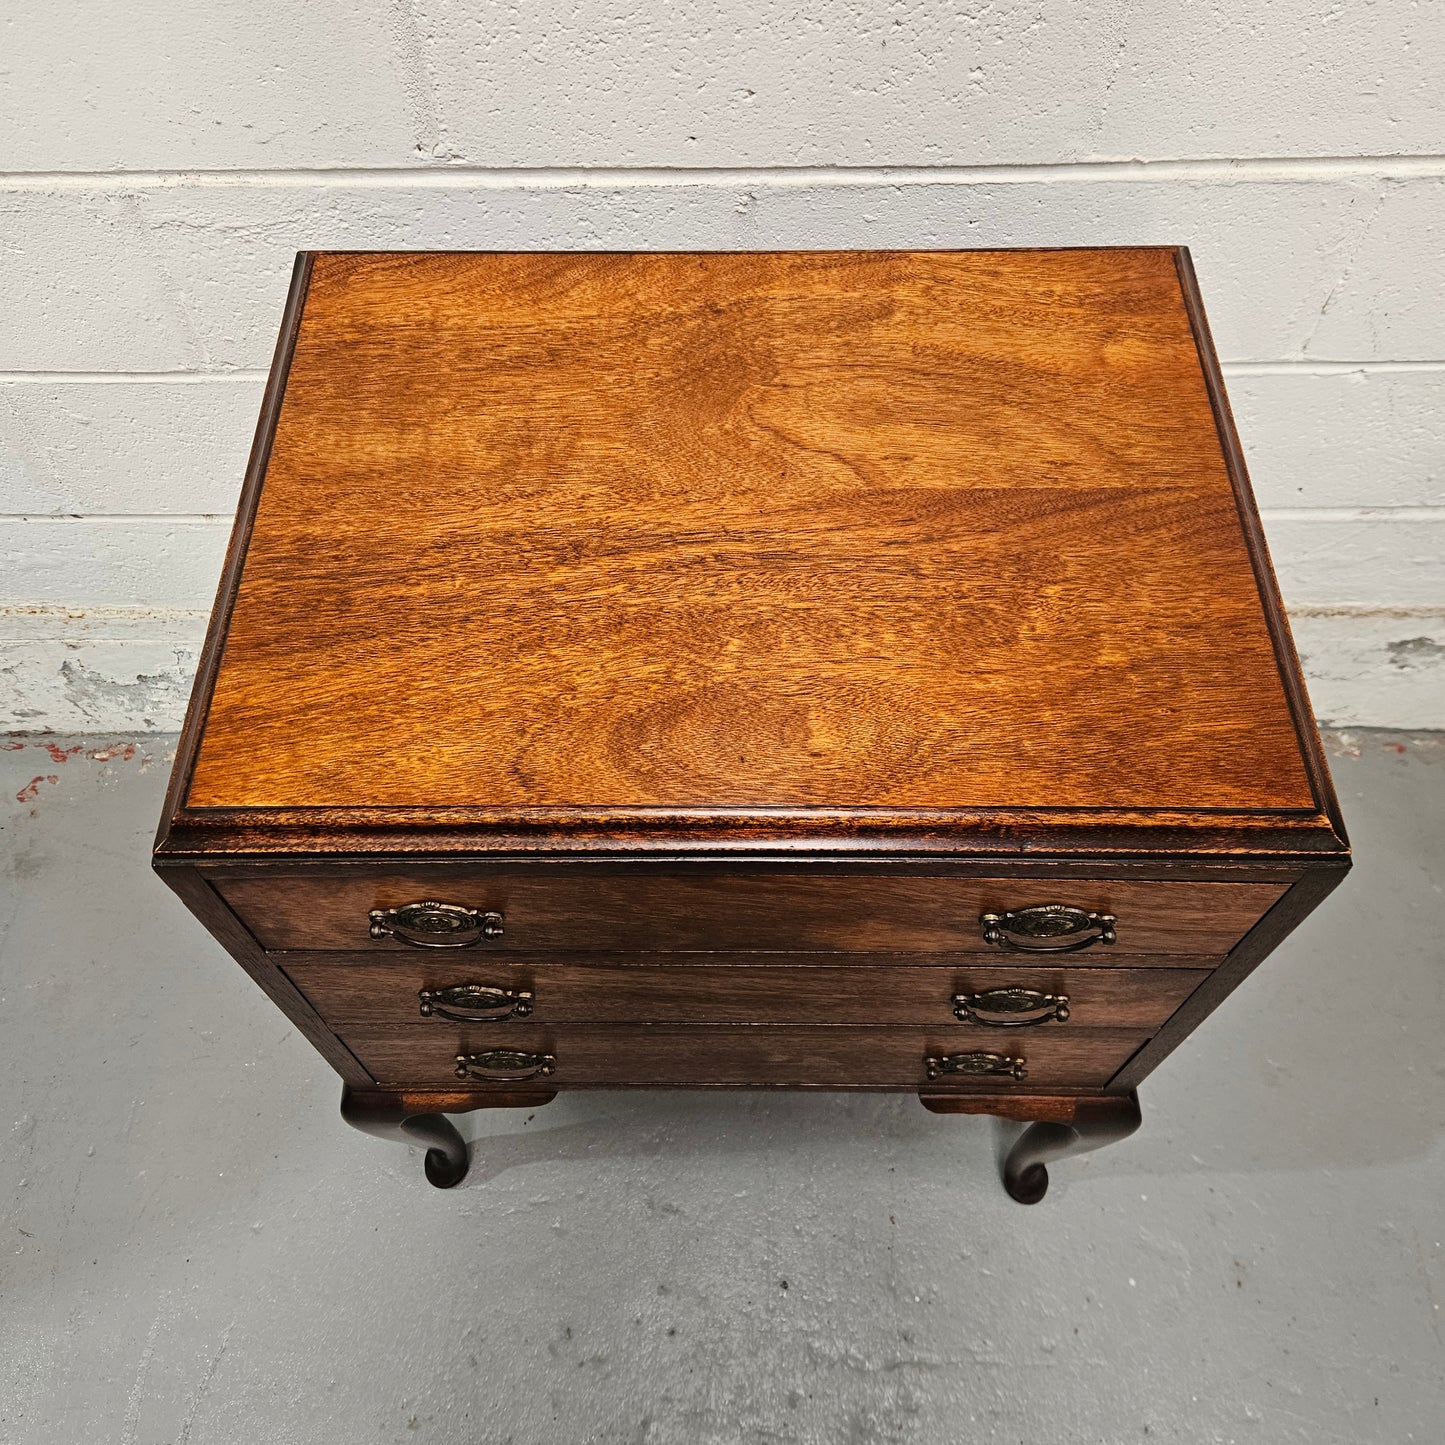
(1096, 1122)
(416, 1117)
(394, 1116)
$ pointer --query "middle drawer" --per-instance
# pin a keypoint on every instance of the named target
(991, 994)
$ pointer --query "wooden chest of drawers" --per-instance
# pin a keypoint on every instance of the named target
(793, 670)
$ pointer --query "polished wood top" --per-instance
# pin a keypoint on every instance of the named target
(762, 534)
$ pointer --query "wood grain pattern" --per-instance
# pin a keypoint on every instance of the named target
(739, 911)
(664, 1056)
(381, 994)
(1059, 1109)
(450, 1100)
(879, 530)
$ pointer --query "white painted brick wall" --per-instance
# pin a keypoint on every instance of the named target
(163, 162)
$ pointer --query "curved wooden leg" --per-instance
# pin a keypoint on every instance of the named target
(393, 1116)
(416, 1117)
(1096, 1121)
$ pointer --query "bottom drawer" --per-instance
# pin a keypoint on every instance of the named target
(742, 1057)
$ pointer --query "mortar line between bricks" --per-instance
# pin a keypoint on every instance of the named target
(169, 519)
(81, 612)
(113, 378)
(1353, 514)
(1342, 611)
(542, 177)
(1288, 367)
(1311, 367)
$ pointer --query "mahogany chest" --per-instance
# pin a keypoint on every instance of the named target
(836, 670)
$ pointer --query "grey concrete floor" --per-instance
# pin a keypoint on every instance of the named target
(195, 1249)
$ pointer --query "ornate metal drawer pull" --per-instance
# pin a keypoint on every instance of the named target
(1045, 921)
(475, 1003)
(504, 1065)
(1011, 1008)
(435, 925)
(974, 1064)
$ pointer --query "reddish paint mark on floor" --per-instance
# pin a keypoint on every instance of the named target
(119, 753)
(111, 753)
(31, 790)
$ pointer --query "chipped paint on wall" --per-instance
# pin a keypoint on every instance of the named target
(1427, 746)
(1373, 668)
(1412, 652)
(134, 687)
(118, 670)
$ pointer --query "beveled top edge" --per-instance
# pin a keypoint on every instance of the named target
(1161, 247)
(198, 834)
(1287, 661)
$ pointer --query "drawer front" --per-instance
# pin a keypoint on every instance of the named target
(664, 1056)
(572, 910)
(375, 994)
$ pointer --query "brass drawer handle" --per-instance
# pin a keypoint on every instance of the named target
(1011, 1008)
(974, 1064)
(469, 1003)
(435, 925)
(504, 1065)
(1045, 921)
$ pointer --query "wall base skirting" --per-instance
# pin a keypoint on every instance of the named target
(122, 671)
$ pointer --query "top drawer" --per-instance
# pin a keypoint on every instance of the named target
(575, 910)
